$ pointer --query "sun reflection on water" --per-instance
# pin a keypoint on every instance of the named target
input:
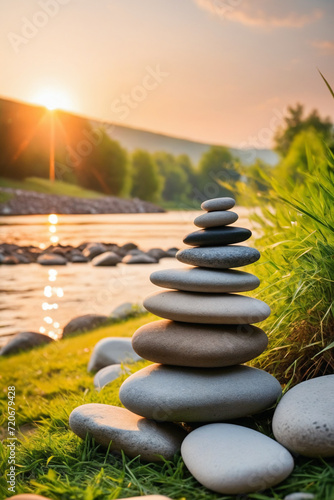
(50, 326)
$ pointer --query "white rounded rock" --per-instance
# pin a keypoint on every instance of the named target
(111, 351)
(213, 219)
(179, 394)
(303, 421)
(108, 374)
(229, 309)
(233, 460)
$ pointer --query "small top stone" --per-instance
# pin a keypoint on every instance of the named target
(218, 204)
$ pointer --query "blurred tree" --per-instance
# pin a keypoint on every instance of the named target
(296, 122)
(146, 182)
(184, 162)
(294, 165)
(105, 166)
(176, 184)
(217, 172)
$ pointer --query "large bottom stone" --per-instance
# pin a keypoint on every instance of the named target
(178, 394)
(124, 431)
(232, 460)
(202, 346)
(230, 309)
(304, 418)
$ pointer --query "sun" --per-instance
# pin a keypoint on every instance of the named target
(52, 99)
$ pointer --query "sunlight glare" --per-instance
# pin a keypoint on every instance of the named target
(52, 99)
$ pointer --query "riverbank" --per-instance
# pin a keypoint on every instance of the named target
(51, 381)
(21, 202)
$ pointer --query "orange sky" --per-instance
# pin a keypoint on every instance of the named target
(218, 71)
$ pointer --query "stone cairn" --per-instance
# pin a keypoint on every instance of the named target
(207, 332)
(198, 377)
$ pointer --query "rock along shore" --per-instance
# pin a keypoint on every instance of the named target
(31, 203)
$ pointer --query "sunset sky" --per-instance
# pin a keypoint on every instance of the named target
(218, 71)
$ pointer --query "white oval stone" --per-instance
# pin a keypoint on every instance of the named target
(233, 460)
(112, 351)
(213, 219)
(303, 421)
(200, 279)
(202, 346)
(178, 394)
(230, 309)
(108, 374)
(123, 431)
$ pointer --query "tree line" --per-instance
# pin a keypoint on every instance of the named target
(91, 158)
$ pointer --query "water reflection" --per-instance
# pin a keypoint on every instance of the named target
(50, 326)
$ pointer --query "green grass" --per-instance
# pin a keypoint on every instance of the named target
(47, 187)
(50, 382)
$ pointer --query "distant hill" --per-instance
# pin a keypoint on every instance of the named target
(29, 121)
(132, 139)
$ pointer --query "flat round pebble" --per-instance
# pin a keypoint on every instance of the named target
(230, 309)
(179, 394)
(234, 460)
(198, 279)
(201, 346)
(218, 204)
(303, 421)
(217, 236)
(127, 432)
(219, 257)
(213, 219)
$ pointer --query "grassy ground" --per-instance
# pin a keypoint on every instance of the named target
(47, 187)
(50, 382)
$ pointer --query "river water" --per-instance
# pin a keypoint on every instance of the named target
(44, 299)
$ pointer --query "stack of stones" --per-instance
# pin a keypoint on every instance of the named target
(198, 348)
(198, 377)
(208, 331)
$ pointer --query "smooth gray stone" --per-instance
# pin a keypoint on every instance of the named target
(218, 204)
(218, 236)
(235, 460)
(112, 351)
(304, 418)
(93, 249)
(84, 323)
(202, 346)
(24, 341)
(198, 279)
(229, 309)
(125, 431)
(51, 259)
(213, 219)
(107, 375)
(178, 394)
(78, 258)
(127, 310)
(219, 257)
(141, 258)
(106, 259)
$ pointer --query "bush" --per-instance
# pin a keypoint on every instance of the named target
(298, 270)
